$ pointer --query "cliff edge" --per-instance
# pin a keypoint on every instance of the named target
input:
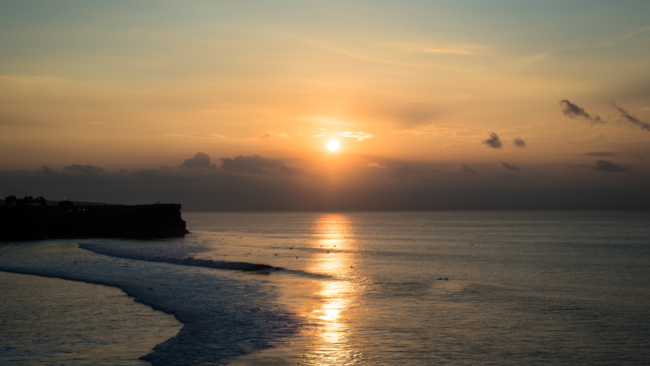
(141, 221)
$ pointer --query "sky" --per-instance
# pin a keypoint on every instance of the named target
(435, 104)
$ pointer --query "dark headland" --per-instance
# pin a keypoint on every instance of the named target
(32, 222)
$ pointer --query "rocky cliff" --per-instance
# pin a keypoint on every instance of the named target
(142, 221)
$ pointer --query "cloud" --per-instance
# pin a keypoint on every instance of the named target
(573, 111)
(509, 166)
(600, 154)
(636, 31)
(287, 170)
(448, 50)
(446, 130)
(629, 118)
(351, 187)
(266, 135)
(405, 171)
(493, 142)
(200, 160)
(609, 167)
(375, 165)
(466, 169)
(360, 136)
(250, 164)
(519, 142)
(47, 170)
(194, 136)
(640, 157)
(84, 169)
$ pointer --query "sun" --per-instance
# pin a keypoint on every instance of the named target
(333, 145)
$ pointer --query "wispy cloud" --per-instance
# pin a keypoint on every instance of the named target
(446, 130)
(360, 136)
(375, 165)
(194, 136)
(637, 31)
(630, 118)
(571, 110)
(509, 166)
(267, 135)
(599, 153)
(448, 50)
(467, 169)
(84, 169)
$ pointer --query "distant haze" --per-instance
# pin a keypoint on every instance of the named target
(361, 183)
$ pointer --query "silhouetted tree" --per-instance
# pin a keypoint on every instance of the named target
(10, 200)
(41, 201)
(27, 200)
(66, 205)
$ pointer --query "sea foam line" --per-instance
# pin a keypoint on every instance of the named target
(195, 262)
(222, 317)
(186, 261)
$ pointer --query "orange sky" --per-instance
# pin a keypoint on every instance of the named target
(123, 87)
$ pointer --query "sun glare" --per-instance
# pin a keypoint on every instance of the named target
(333, 145)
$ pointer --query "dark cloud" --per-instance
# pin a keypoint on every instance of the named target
(519, 142)
(494, 141)
(466, 169)
(574, 166)
(405, 171)
(250, 164)
(600, 154)
(346, 187)
(46, 170)
(200, 160)
(287, 170)
(626, 116)
(609, 167)
(571, 110)
(509, 166)
(640, 157)
(84, 169)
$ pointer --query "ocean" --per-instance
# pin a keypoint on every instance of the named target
(360, 288)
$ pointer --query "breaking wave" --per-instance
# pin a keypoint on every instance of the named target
(185, 261)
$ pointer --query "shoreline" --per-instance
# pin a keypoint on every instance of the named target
(112, 333)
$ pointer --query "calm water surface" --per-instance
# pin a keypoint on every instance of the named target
(416, 288)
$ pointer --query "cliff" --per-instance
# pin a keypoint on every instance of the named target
(142, 221)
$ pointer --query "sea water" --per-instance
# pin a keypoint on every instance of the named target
(375, 288)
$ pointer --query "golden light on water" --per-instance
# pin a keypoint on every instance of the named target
(334, 233)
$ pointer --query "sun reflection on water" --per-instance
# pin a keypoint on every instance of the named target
(324, 304)
(331, 335)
